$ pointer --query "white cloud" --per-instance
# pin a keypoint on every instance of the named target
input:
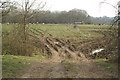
(91, 6)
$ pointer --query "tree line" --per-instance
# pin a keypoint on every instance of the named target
(55, 17)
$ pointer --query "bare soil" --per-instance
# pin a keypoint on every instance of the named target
(67, 69)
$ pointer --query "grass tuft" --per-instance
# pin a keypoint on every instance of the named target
(12, 65)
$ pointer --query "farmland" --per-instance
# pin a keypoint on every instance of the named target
(40, 39)
(66, 31)
(85, 39)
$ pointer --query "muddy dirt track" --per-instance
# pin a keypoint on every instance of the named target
(64, 69)
(80, 67)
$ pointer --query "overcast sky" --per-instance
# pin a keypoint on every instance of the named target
(93, 7)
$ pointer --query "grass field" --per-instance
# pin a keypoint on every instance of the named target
(109, 66)
(64, 30)
(13, 65)
(83, 33)
(67, 31)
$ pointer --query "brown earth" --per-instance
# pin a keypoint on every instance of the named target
(60, 67)
(67, 69)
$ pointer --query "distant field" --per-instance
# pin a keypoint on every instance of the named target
(65, 31)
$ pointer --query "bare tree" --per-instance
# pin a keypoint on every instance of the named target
(118, 19)
(6, 7)
(28, 12)
(113, 33)
(19, 42)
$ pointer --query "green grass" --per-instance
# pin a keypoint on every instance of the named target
(8, 27)
(12, 65)
(101, 60)
(66, 31)
(107, 65)
(96, 26)
(110, 66)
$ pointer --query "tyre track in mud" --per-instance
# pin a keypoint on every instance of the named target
(71, 69)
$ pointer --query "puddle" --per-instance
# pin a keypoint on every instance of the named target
(96, 51)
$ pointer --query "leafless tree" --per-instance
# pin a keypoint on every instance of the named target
(6, 7)
(19, 40)
(114, 33)
(28, 12)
